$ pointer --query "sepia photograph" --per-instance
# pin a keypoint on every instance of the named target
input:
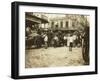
(56, 40)
(51, 40)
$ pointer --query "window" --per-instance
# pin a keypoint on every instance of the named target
(73, 24)
(66, 24)
(61, 24)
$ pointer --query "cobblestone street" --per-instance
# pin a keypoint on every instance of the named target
(51, 57)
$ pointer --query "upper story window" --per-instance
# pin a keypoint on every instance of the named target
(61, 24)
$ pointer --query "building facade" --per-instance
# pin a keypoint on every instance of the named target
(69, 22)
(46, 21)
(35, 20)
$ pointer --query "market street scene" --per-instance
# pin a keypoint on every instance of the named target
(56, 40)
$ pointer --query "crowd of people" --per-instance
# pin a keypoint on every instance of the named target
(50, 38)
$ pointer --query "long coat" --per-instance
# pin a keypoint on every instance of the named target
(85, 46)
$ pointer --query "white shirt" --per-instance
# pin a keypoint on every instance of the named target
(70, 39)
(74, 37)
(65, 37)
(46, 38)
(56, 38)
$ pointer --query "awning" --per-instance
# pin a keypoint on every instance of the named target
(36, 19)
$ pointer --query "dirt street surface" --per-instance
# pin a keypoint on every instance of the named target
(52, 57)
